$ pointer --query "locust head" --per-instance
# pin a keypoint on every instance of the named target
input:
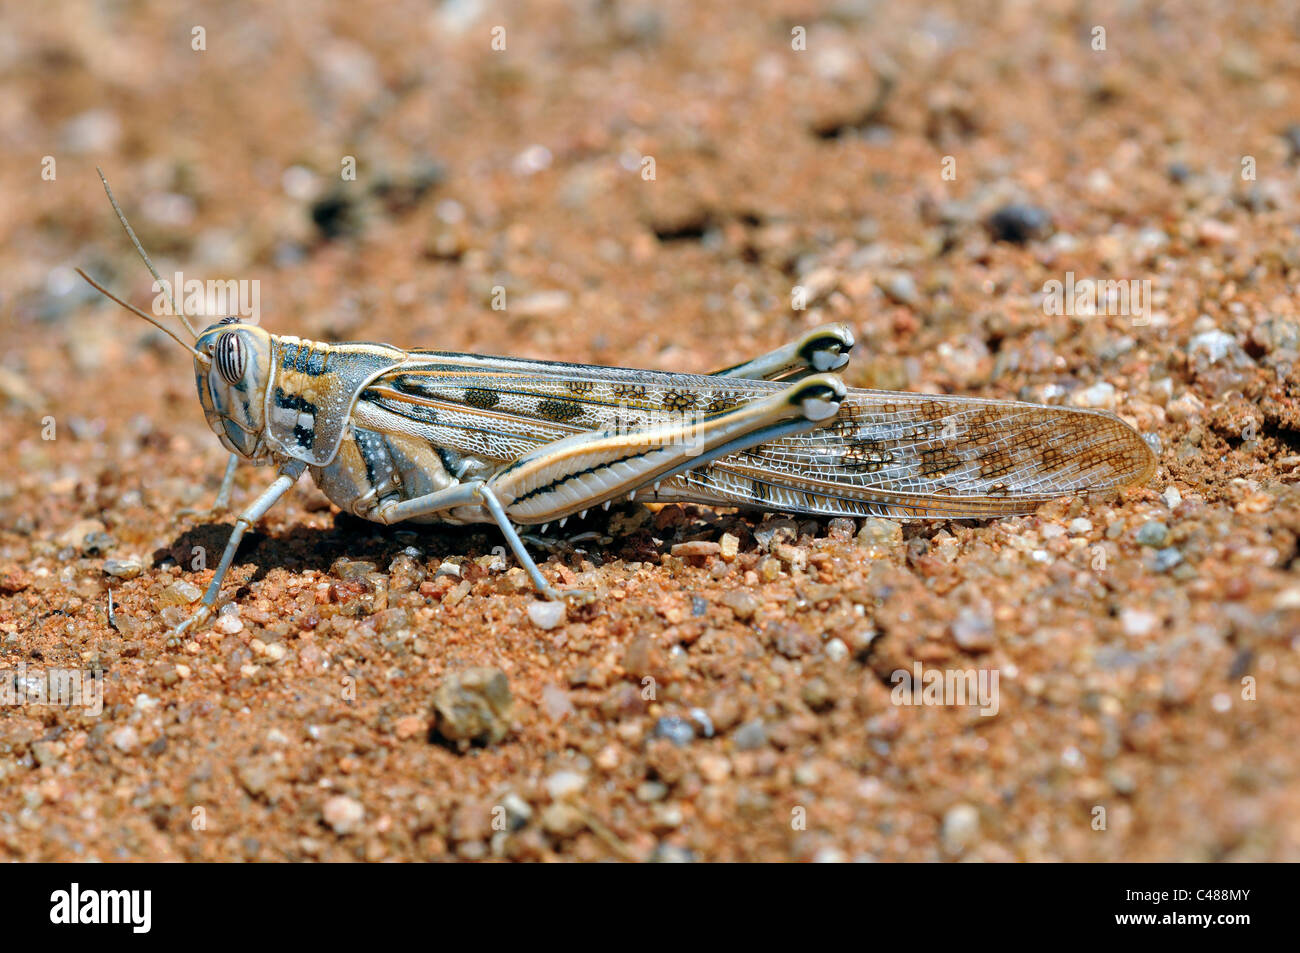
(232, 368)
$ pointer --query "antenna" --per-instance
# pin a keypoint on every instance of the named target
(198, 355)
(152, 270)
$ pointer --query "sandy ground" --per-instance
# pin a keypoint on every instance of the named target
(1144, 646)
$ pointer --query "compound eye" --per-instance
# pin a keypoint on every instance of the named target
(231, 357)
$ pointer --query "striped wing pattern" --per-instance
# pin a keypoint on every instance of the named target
(886, 453)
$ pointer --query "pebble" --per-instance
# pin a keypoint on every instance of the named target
(473, 705)
(817, 694)
(451, 570)
(546, 613)
(518, 812)
(900, 287)
(1100, 396)
(836, 650)
(728, 546)
(555, 702)
(699, 547)
(1216, 347)
(742, 604)
(343, 814)
(973, 627)
(648, 792)
(179, 594)
(703, 721)
(74, 536)
(229, 624)
(1171, 497)
(671, 854)
(125, 739)
(751, 736)
(1019, 223)
(562, 820)
(677, 730)
(1167, 559)
(1137, 622)
(880, 533)
(565, 784)
(1079, 527)
(122, 568)
(1152, 533)
(961, 826)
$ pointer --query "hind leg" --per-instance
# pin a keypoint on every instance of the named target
(825, 348)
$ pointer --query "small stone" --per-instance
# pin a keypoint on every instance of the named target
(699, 547)
(961, 826)
(122, 568)
(728, 546)
(1167, 559)
(793, 556)
(714, 768)
(972, 630)
(13, 579)
(900, 287)
(565, 784)
(1019, 224)
(352, 569)
(701, 718)
(841, 528)
(179, 594)
(1171, 497)
(473, 705)
(74, 537)
(1213, 232)
(1079, 527)
(448, 569)
(47, 752)
(229, 624)
(666, 817)
(1100, 395)
(545, 613)
(409, 726)
(562, 820)
(125, 739)
(518, 811)
(836, 650)
(677, 730)
(1151, 533)
(648, 792)
(1137, 622)
(1216, 347)
(751, 736)
(343, 814)
(555, 702)
(742, 604)
(817, 694)
(880, 533)
(671, 854)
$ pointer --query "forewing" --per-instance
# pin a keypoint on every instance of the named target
(886, 453)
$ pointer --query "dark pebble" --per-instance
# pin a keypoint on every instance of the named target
(1019, 223)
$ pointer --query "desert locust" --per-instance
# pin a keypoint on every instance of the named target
(395, 435)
